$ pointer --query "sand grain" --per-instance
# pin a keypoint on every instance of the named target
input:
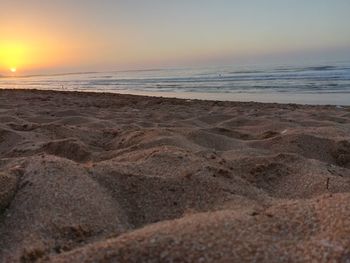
(118, 178)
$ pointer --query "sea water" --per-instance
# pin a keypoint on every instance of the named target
(311, 84)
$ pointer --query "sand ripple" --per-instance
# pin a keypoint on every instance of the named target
(118, 178)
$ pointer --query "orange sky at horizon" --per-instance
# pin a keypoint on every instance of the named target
(39, 37)
(25, 49)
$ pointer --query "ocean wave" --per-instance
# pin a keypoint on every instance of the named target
(325, 79)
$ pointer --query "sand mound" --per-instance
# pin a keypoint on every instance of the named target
(341, 153)
(231, 133)
(8, 139)
(148, 197)
(8, 187)
(68, 148)
(213, 141)
(292, 176)
(57, 207)
(309, 146)
(289, 232)
(119, 178)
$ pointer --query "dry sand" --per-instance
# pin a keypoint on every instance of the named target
(119, 178)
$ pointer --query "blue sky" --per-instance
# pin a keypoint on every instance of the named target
(121, 34)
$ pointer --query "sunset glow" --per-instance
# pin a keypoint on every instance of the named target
(32, 54)
(60, 36)
(12, 55)
(15, 55)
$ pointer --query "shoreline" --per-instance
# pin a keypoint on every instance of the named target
(173, 96)
(100, 177)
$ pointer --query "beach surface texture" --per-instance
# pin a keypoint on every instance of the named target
(88, 177)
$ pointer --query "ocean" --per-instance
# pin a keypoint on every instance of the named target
(315, 84)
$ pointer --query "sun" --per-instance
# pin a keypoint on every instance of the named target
(13, 70)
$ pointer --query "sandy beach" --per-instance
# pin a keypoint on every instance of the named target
(88, 177)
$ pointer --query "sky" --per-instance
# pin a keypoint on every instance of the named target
(41, 36)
